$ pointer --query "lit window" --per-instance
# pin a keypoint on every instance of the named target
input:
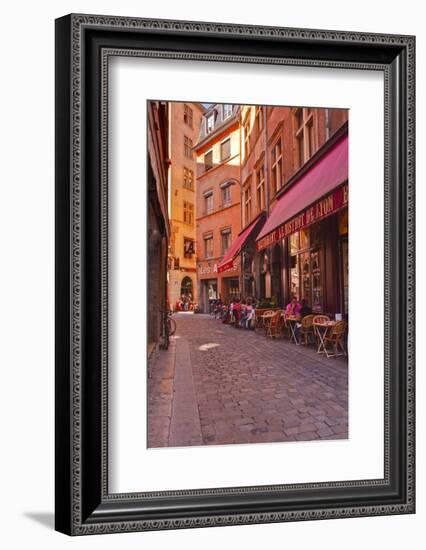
(187, 115)
(210, 123)
(187, 147)
(260, 188)
(208, 160)
(247, 204)
(277, 167)
(227, 111)
(226, 195)
(225, 149)
(188, 248)
(226, 239)
(259, 120)
(188, 178)
(305, 134)
(208, 246)
(188, 213)
(246, 131)
(208, 203)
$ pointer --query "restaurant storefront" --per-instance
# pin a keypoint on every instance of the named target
(208, 293)
(303, 246)
(317, 265)
(215, 284)
(231, 288)
(241, 252)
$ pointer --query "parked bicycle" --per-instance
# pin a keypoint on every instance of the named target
(169, 327)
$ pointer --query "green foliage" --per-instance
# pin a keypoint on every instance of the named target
(267, 302)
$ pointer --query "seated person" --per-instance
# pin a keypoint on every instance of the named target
(226, 315)
(293, 308)
(249, 314)
(305, 309)
(237, 311)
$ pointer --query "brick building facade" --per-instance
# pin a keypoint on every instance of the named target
(258, 201)
(184, 129)
(285, 150)
(218, 211)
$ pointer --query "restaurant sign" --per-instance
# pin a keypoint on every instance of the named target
(208, 269)
(316, 212)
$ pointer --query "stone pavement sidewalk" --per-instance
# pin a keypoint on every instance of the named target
(220, 385)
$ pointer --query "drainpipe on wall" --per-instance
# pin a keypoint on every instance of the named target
(265, 127)
(267, 180)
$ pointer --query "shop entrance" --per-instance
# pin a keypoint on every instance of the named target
(209, 294)
(306, 273)
(231, 287)
(186, 289)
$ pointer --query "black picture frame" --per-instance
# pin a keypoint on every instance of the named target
(83, 45)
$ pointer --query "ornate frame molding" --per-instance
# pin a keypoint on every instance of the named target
(72, 516)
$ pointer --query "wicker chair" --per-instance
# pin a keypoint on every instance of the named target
(334, 339)
(273, 325)
(259, 320)
(307, 329)
(320, 320)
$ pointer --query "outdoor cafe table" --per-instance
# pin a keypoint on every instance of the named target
(265, 317)
(292, 323)
(321, 330)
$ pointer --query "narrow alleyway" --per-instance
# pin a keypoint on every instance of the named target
(220, 385)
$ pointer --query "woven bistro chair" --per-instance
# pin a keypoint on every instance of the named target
(273, 325)
(259, 318)
(307, 329)
(320, 320)
(285, 328)
(267, 319)
(334, 339)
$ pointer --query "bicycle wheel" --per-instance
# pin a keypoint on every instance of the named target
(172, 326)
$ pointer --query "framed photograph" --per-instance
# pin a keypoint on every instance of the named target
(234, 274)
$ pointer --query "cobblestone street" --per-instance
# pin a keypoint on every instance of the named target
(220, 385)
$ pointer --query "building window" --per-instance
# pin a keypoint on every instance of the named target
(247, 203)
(305, 134)
(208, 202)
(226, 195)
(188, 248)
(225, 149)
(246, 131)
(176, 263)
(226, 239)
(210, 123)
(187, 147)
(260, 187)
(227, 110)
(208, 246)
(187, 115)
(208, 160)
(259, 120)
(188, 213)
(188, 179)
(277, 167)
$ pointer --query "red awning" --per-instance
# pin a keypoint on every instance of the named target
(317, 194)
(228, 260)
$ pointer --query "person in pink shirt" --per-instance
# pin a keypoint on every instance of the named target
(293, 308)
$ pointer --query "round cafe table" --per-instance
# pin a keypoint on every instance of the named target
(265, 318)
(292, 323)
(321, 330)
